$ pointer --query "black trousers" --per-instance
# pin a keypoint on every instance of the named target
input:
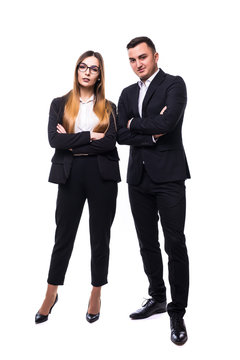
(149, 200)
(84, 183)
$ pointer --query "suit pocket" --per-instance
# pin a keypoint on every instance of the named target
(109, 168)
(57, 159)
(59, 156)
(57, 174)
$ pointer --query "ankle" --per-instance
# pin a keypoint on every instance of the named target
(51, 291)
(96, 292)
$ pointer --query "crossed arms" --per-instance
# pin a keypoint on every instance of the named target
(139, 131)
(85, 142)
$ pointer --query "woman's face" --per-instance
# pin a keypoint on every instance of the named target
(88, 72)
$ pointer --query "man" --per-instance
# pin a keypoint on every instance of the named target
(150, 116)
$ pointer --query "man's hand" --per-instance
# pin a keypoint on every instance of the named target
(157, 136)
(96, 135)
(128, 123)
(161, 113)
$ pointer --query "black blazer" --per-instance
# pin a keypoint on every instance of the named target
(164, 160)
(105, 148)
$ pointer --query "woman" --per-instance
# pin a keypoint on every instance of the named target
(82, 129)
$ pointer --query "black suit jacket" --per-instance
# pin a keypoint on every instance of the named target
(105, 148)
(164, 160)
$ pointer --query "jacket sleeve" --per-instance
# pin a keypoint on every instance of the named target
(107, 143)
(176, 100)
(124, 135)
(63, 141)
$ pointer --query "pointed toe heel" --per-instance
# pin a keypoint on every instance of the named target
(39, 318)
(92, 317)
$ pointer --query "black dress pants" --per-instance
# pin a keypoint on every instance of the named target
(149, 200)
(84, 183)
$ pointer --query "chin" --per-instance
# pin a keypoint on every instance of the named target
(85, 84)
(144, 77)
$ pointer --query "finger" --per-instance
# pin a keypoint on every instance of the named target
(61, 129)
(158, 136)
(162, 111)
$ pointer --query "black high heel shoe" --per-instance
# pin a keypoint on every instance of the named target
(39, 318)
(92, 317)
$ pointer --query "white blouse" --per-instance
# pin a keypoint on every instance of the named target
(86, 119)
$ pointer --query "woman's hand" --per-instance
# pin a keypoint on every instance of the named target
(96, 135)
(60, 129)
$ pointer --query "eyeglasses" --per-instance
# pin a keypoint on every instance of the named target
(93, 69)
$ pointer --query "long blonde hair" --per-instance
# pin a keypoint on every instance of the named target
(102, 107)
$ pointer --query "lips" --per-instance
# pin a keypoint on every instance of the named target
(86, 79)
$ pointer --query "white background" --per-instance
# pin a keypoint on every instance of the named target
(40, 43)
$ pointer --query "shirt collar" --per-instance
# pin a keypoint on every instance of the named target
(148, 81)
(88, 100)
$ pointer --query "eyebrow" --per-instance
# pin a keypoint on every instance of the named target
(87, 64)
(144, 54)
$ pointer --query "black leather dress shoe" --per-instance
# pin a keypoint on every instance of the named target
(92, 317)
(39, 318)
(150, 308)
(178, 330)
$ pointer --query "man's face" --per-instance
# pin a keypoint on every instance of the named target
(143, 61)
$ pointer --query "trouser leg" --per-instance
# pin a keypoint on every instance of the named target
(172, 207)
(145, 214)
(102, 206)
(70, 202)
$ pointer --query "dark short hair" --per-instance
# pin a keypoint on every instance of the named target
(141, 39)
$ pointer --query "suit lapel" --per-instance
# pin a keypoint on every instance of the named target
(152, 88)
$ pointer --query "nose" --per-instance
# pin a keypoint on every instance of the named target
(87, 72)
(138, 63)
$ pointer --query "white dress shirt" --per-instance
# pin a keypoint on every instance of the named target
(143, 89)
(86, 119)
